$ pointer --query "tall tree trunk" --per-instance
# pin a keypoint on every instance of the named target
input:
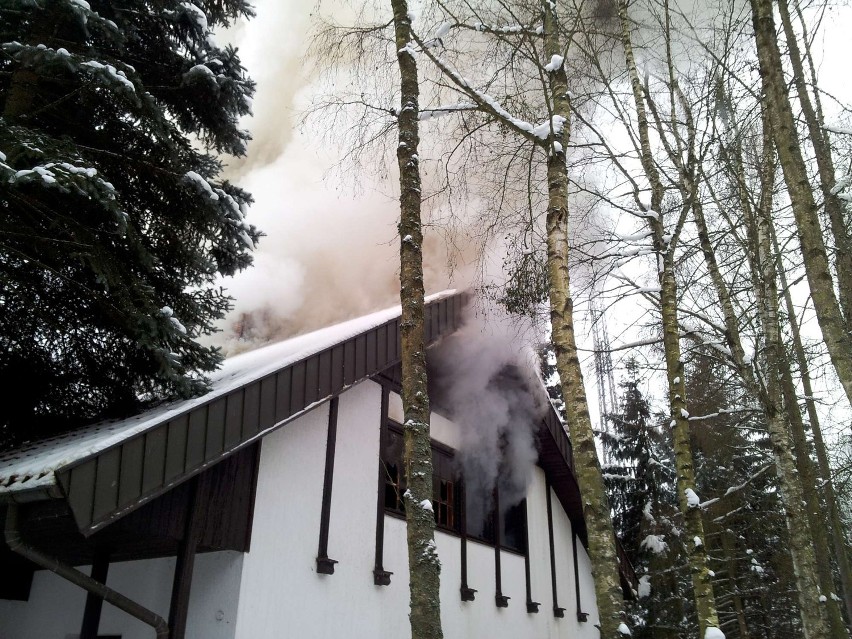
(586, 463)
(814, 623)
(834, 207)
(424, 568)
(816, 521)
(838, 537)
(803, 462)
(702, 587)
(814, 254)
(730, 560)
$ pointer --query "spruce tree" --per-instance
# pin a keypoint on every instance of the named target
(114, 227)
(747, 537)
(640, 481)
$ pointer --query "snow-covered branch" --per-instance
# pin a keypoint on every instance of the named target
(449, 109)
(488, 104)
(733, 489)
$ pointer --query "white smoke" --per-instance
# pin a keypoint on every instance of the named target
(486, 379)
(330, 252)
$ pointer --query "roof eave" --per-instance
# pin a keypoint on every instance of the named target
(112, 482)
(25, 495)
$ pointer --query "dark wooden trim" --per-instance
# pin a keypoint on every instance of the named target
(532, 606)
(179, 606)
(325, 565)
(94, 604)
(255, 476)
(500, 599)
(381, 577)
(467, 593)
(111, 483)
(581, 616)
(557, 611)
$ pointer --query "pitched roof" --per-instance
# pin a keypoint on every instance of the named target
(108, 469)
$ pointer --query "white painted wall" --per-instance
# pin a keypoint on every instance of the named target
(274, 591)
(55, 607)
(283, 596)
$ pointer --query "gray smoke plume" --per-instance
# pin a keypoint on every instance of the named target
(486, 379)
(330, 253)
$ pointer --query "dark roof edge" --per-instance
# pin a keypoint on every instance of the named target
(115, 481)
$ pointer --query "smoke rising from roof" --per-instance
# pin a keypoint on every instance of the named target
(330, 253)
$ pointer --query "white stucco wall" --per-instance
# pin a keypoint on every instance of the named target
(55, 606)
(274, 591)
(283, 596)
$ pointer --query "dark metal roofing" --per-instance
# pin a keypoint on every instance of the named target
(112, 482)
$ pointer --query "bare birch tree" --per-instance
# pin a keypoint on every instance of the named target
(544, 38)
(665, 244)
(424, 567)
(790, 157)
(377, 43)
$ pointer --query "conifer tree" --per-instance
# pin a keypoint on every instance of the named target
(114, 227)
(640, 481)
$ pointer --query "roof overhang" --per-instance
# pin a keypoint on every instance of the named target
(147, 456)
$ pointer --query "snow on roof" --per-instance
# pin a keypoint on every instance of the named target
(34, 466)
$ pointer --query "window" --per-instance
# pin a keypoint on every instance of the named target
(479, 515)
(447, 496)
(514, 533)
(392, 453)
(445, 490)
(445, 487)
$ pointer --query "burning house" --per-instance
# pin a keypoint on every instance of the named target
(272, 507)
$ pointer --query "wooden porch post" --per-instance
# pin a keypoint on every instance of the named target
(179, 607)
(94, 603)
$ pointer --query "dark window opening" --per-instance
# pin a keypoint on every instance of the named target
(446, 497)
(445, 490)
(480, 517)
(394, 480)
(514, 532)
(445, 487)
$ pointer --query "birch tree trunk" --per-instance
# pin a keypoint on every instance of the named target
(825, 165)
(843, 263)
(596, 510)
(424, 568)
(586, 463)
(814, 624)
(817, 531)
(814, 254)
(705, 602)
(816, 521)
(838, 537)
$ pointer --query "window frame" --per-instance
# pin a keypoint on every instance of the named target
(395, 429)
